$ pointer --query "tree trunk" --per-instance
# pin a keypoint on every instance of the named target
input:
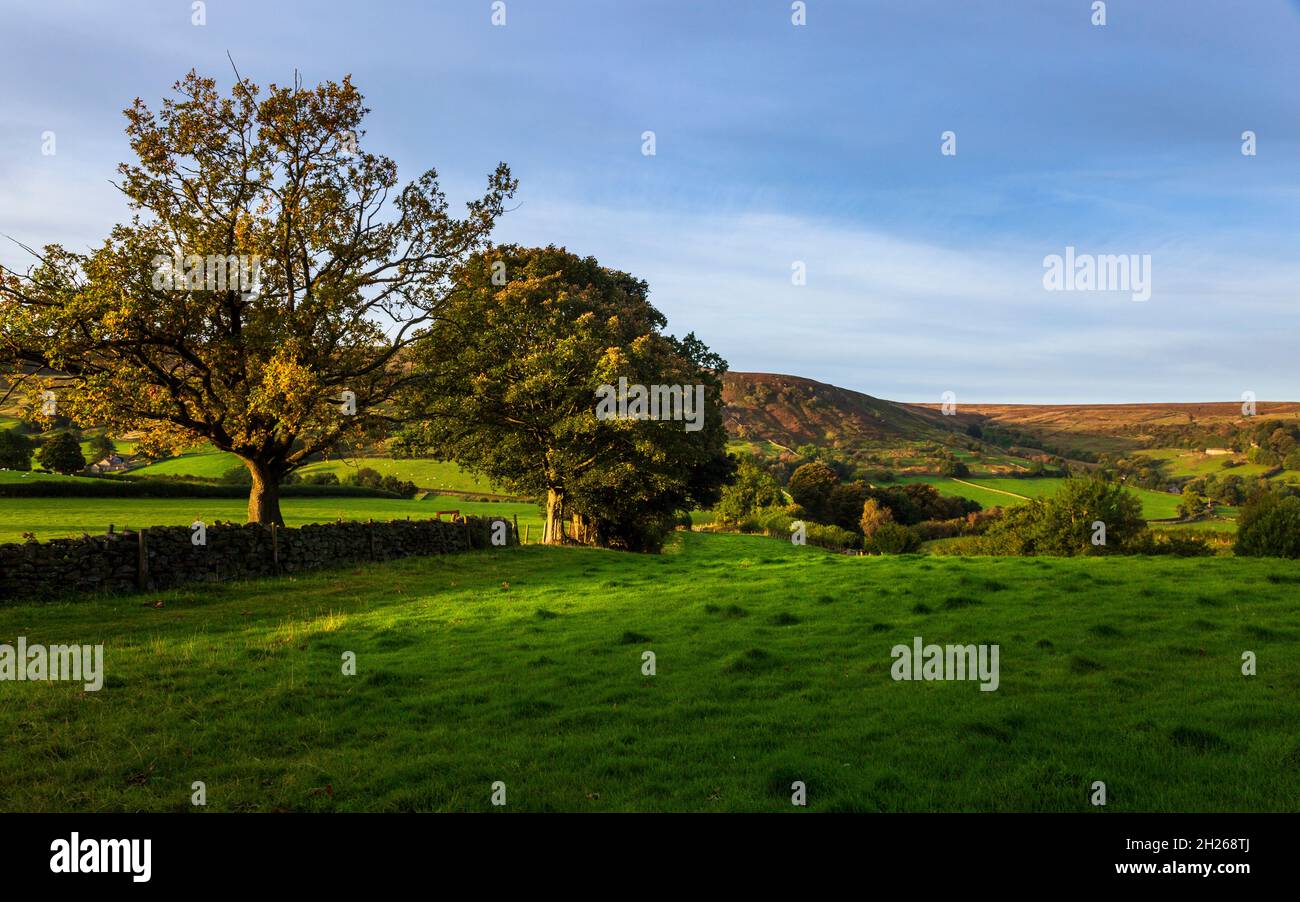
(264, 496)
(554, 532)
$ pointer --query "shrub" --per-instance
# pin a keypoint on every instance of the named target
(774, 521)
(365, 476)
(963, 545)
(832, 537)
(929, 530)
(236, 476)
(392, 484)
(1269, 526)
(325, 477)
(893, 538)
(1063, 524)
(1172, 543)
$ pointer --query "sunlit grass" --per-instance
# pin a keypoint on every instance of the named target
(524, 665)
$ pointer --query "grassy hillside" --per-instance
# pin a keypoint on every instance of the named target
(791, 411)
(773, 665)
(51, 518)
(992, 492)
(1119, 427)
(430, 475)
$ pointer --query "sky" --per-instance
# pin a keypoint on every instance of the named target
(782, 149)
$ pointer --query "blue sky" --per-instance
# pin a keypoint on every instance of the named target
(778, 144)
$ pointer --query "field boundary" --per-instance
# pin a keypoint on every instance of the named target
(164, 557)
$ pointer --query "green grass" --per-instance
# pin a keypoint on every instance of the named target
(1185, 462)
(30, 476)
(998, 492)
(50, 518)
(430, 475)
(773, 665)
(206, 464)
(947, 486)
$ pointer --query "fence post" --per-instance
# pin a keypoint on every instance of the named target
(142, 562)
(516, 519)
(526, 526)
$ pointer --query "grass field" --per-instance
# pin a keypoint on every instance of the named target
(430, 475)
(995, 492)
(33, 476)
(50, 518)
(948, 486)
(773, 665)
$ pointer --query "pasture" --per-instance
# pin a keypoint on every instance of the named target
(1005, 492)
(773, 664)
(52, 518)
(430, 475)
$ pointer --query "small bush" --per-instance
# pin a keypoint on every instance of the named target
(893, 538)
(324, 477)
(236, 476)
(1269, 526)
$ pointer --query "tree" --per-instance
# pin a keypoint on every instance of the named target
(874, 515)
(61, 453)
(509, 385)
(752, 490)
(844, 504)
(811, 486)
(1263, 456)
(1065, 524)
(102, 447)
(954, 467)
(15, 450)
(263, 294)
(1191, 504)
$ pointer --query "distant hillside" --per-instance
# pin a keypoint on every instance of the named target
(789, 411)
(1120, 427)
(792, 411)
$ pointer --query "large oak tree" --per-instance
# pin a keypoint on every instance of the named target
(508, 381)
(350, 267)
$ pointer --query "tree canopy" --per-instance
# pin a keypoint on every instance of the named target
(264, 290)
(509, 381)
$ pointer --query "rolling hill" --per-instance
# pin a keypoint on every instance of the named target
(790, 411)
